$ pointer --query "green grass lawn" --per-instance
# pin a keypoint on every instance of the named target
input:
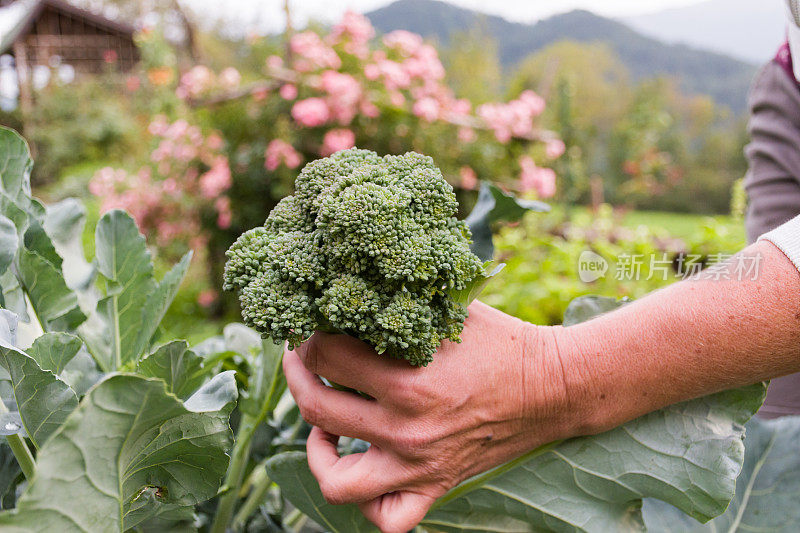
(684, 225)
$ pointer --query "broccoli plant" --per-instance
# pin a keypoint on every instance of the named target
(368, 246)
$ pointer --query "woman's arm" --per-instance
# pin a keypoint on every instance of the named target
(510, 386)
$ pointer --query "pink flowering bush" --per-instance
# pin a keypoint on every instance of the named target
(348, 88)
(184, 183)
(330, 91)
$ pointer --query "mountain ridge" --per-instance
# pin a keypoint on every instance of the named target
(717, 25)
(724, 78)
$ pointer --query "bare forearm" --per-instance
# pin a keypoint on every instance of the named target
(693, 338)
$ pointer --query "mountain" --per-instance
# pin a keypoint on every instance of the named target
(719, 25)
(725, 79)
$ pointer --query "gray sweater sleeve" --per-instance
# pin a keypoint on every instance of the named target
(773, 179)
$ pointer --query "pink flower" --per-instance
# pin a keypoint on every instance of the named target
(396, 98)
(369, 110)
(372, 71)
(217, 179)
(224, 214)
(335, 140)
(405, 42)
(132, 84)
(394, 76)
(541, 180)
(260, 94)
(279, 151)
(513, 119)
(230, 78)
(110, 56)
(158, 125)
(355, 30)
(312, 52)
(534, 102)
(214, 142)
(469, 180)
(426, 108)
(288, 91)
(344, 93)
(466, 135)
(554, 148)
(311, 112)
(207, 297)
(195, 82)
(274, 62)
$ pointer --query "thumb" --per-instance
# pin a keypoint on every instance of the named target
(397, 512)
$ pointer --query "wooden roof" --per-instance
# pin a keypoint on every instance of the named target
(17, 19)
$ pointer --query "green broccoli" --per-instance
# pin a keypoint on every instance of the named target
(368, 246)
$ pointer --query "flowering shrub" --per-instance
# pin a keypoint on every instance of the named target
(347, 88)
(185, 180)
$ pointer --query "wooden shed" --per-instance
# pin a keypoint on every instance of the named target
(54, 32)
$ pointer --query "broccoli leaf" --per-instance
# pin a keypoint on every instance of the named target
(180, 368)
(466, 295)
(131, 451)
(64, 224)
(290, 471)
(124, 324)
(8, 243)
(495, 205)
(766, 491)
(37, 400)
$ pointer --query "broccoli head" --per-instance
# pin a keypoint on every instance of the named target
(368, 246)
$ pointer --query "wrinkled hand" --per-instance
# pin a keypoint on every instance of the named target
(480, 403)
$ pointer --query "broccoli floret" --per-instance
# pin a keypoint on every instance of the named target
(368, 246)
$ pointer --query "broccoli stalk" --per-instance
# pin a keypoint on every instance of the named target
(368, 246)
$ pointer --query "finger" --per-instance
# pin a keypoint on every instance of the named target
(354, 478)
(338, 412)
(397, 512)
(348, 361)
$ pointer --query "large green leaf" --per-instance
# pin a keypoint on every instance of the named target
(124, 261)
(56, 305)
(52, 351)
(495, 205)
(65, 355)
(266, 382)
(16, 202)
(130, 452)
(37, 398)
(688, 454)
(8, 243)
(290, 471)
(180, 368)
(123, 326)
(158, 302)
(13, 298)
(767, 491)
(9, 476)
(64, 224)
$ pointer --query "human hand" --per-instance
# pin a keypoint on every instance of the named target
(480, 403)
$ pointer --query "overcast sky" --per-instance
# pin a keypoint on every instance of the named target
(267, 15)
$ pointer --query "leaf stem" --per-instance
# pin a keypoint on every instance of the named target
(23, 455)
(241, 453)
(20, 450)
(258, 492)
(233, 480)
(478, 481)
